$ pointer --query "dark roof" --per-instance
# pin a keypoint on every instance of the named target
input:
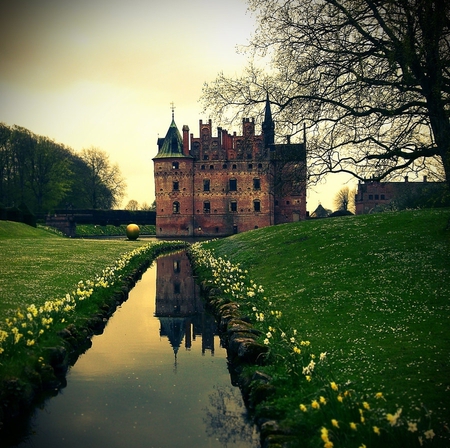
(172, 145)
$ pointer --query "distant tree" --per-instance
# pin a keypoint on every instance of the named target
(49, 177)
(145, 206)
(345, 200)
(132, 205)
(105, 187)
(371, 80)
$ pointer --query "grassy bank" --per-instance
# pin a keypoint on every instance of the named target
(55, 293)
(351, 309)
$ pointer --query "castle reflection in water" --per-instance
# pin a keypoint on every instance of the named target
(179, 307)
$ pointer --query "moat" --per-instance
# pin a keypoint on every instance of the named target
(156, 377)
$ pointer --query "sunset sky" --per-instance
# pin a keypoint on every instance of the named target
(103, 73)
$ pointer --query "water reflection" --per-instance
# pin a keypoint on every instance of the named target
(156, 377)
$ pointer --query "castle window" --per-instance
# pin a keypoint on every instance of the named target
(224, 166)
(250, 166)
(233, 185)
(175, 186)
(249, 156)
(176, 288)
(259, 165)
(256, 184)
(233, 206)
(176, 207)
(382, 196)
(256, 206)
(234, 166)
(206, 184)
(287, 202)
(205, 157)
(370, 196)
(211, 167)
(203, 167)
(206, 207)
(376, 196)
(177, 266)
(175, 165)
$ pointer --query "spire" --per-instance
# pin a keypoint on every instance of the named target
(172, 145)
(268, 126)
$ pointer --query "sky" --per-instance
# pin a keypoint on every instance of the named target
(103, 74)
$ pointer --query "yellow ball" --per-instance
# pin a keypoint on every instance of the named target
(133, 231)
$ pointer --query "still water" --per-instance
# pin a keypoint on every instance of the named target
(156, 377)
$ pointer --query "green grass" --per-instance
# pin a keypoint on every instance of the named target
(371, 291)
(36, 265)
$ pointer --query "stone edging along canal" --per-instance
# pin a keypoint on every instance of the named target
(240, 339)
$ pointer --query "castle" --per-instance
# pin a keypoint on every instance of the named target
(218, 186)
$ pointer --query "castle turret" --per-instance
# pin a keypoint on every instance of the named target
(268, 126)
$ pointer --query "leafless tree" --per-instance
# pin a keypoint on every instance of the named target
(371, 80)
(132, 205)
(106, 186)
(345, 200)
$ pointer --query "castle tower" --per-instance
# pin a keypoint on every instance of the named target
(173, 171)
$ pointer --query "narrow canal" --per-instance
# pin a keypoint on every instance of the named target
(156, 377)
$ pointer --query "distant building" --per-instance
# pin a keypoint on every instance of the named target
(373, 195)
(320, 212)
(220, 185)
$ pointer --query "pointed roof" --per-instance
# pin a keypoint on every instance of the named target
(268, 125)
(173, 143)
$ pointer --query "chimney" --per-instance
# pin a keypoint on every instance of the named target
(186, 140)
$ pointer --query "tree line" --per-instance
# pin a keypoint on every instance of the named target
(45, 175)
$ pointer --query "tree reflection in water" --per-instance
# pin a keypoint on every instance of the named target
(226, 419)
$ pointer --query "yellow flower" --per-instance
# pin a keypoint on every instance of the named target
(30, 342)
(303, 408)
(353, 426)
(322, 400)
(335, 423)
(308, 377)
(392, 419)
(376, 430)
(340, 398)
(379, 395)
(363, 446)
(324, 434)
(328, 444)
(366, 405)
(315, 404)
(334, 385)
(429, 434)
(297, 350)
(412, 426)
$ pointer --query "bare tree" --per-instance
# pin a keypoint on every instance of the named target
(106, 187)
(371, 79)
(132, 205)
(345, 200)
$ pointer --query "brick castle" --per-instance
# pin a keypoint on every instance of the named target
(217, 186)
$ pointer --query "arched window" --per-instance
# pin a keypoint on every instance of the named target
(176, 207)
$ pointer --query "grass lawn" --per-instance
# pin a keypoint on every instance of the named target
(37, 265)
(372, 292)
